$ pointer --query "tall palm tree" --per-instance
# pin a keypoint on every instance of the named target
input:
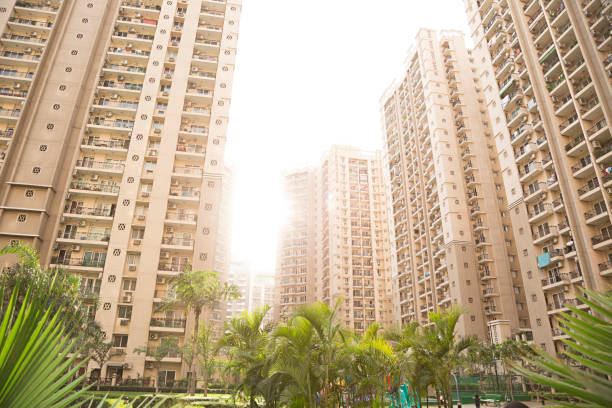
(246, 341)
(411, 365)
(296, 358)
(197, 291)
(440, 346)
(329, 336)
(371, 358)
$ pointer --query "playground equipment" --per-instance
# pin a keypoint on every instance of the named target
(401, 394)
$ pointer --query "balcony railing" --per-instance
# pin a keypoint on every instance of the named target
(103, 188)
(124, 124)
(36, 6)
(90, 263)
(196, 171)
(12, 92)
(86, 236)
(181, 217)
(33, 23)
(177, 241)
(16, 55)
(98, 212)
(12, 113)
(169, 323)
(111, 144)
(100, 165)
(171, 267)
(127, 68)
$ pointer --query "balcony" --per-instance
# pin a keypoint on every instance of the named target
(79, 264)
(94, 190)
(110, 146)
(525, 152)
(92, 213)
(519, 135)
(187, 173)
(89, 166)
(599, 131)
(545, 235)
(10, 115)
(597, 215)
(117, 126)
(167, 325)
(177, 243)
(584, 168)
(181, 218)
(601, 241)
(605, 268)
(86, 238)
(577, 146)
(489, 292)
(590, 191)
(530, 171)
(534, 191)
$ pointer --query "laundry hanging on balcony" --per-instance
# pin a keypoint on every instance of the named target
(544, 260)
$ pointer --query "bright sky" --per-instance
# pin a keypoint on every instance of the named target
(309, 74)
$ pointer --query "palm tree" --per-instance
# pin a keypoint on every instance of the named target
(585, 373)
(246, 342)
(207, 353)
(412, 365)
(371, 359)
(329, 336)
(296, 359)
(443, 350)
(197, 291)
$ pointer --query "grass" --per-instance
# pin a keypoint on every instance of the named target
(113, 396)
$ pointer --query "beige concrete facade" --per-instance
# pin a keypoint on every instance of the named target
(545, 67)
(453, 240)
(114, 134)
(341, 227)
(296, 251)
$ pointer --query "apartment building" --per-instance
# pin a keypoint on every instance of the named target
(296, 260)
(239, 275)
(545, 68)
(451, 230)
(262, 293)
(113, 117)
(346, 218)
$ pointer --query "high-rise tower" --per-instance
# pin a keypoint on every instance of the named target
(337, 239)
(115, 116)
(545, 69)
(453, 237)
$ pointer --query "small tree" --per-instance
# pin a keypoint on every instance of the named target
(198, 291)
(166, 347)
(101, 352)
(207, 353)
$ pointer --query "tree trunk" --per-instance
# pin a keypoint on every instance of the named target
(196, 327)
(205, 379)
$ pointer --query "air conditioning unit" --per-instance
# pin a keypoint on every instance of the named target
(121, 78)
(62, 219)
(124, 322)
(171, 206)
(152, 152)
(75, 172)
(171, 59)
(164, 255)
(132, 30)
(200, 37)
(559, 264)
(137, 241)
(149, 364)
(132, 267)
(145, 194)
(168, 76)
(127, 366)
(609, 190)
(109, 114)
(94, 177)
(68, 196)
(56, 246)
(194, 69)
(596, 145)
(174, 183)
(114, 96)
(169, 230)
(165, 93)
(141, 217)
(161, 281)
(157, 130)
(127, 299)
(82, 223)
(124, 62)
(153, 336)
(28, 50)
(76, 248)
(174, 44)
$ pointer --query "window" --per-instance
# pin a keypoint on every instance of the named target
(129, 284)
(125, 312)
(120, 340)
